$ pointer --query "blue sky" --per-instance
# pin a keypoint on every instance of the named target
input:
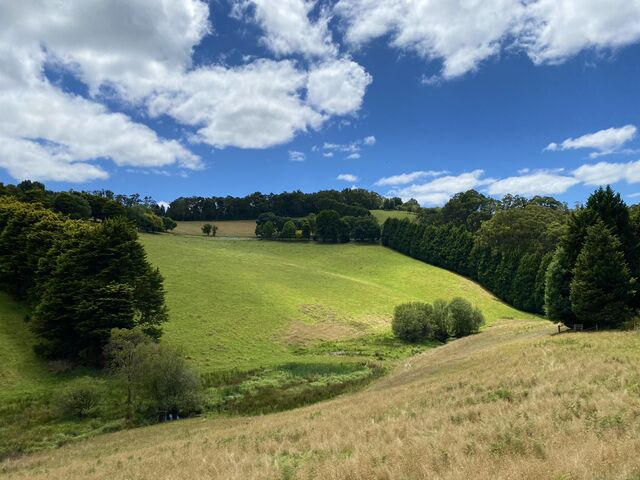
(418, 99)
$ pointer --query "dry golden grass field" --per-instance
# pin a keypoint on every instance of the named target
(226, 228)
(513, 402)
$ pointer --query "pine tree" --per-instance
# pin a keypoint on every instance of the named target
(614, 213)
(601, 289)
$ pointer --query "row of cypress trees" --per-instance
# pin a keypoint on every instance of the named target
(579, 267)
(518, 280)
(81, 279)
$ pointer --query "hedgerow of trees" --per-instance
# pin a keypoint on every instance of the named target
(506, 246)
(329, 226)
(577, 266)
(348, 202)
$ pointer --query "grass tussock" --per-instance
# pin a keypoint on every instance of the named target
(511, 402)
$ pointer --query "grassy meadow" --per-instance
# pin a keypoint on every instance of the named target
(382, 215)
(269, 325)
(513, 402)
(22, 371)
(250, 304)
(247, 228)
(227, 228)
(27, 384)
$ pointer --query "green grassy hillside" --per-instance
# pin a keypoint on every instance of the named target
(242, 304)
(22, 371)
(382, 215)
(284, 323)
(227, 228)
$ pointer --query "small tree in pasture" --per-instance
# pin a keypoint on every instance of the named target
(207, 229)
(156, 377)
(168, 223)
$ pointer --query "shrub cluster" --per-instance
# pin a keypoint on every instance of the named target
(156, 378)
(78, 399)
(417, 321)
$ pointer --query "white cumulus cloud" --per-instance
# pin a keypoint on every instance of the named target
(405, 178)
(139, 53)
(604, 173)
(439, 190)
(337, 87)
(536, 183)
(251, 106)
(347, 177)
(463, 33)
(604, 142)
(288, 28)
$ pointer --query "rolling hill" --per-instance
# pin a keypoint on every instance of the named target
(515, 401)
(241, 304)
(296, 321)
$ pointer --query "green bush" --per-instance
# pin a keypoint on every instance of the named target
(156, 378)
(440, 320)
(306, 230)
(266, 230)
(78, 399)
(411, 321)
(288, 230)
(463, 318)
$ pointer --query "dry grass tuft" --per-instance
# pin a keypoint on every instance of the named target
(512, 402)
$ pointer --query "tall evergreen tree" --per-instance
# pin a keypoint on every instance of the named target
(602, 288)
(97, 279)
(614, 213)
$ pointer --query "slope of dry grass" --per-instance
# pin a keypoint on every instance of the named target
(226, 228)
(512, 402)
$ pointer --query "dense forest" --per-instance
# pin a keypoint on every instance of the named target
(354, 202)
